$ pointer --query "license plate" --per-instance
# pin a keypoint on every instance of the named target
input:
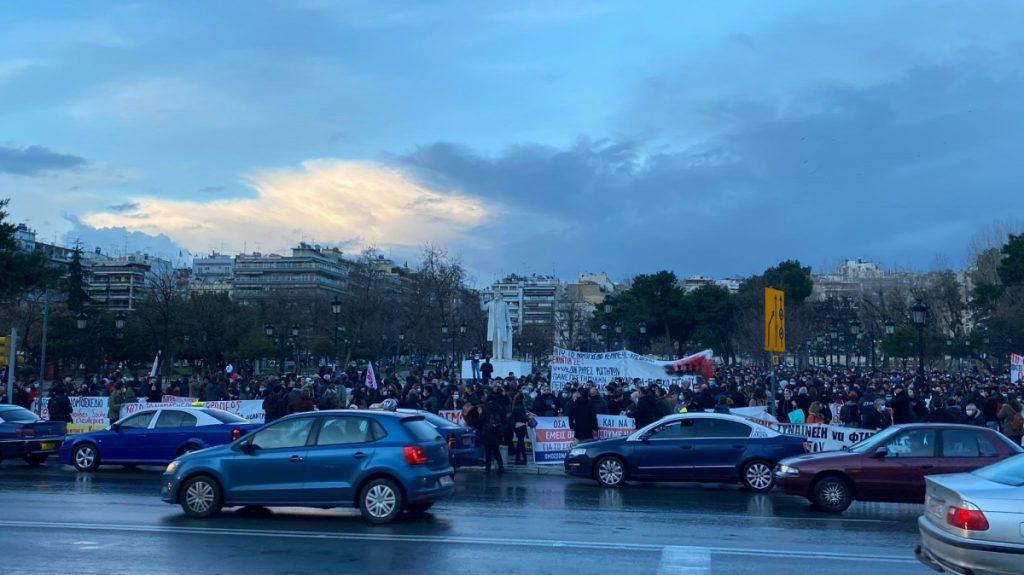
(447, 481)
(47, 446)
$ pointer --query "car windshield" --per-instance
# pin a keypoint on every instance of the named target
(1008, 472)
(224, 417)
(874, 441)
(18, 415)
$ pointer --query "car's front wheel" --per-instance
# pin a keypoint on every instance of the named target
(610, 471)
(35, 459)
(85, 457)
(201, 497)
(757, 476)
(832, 494)
(381, 501)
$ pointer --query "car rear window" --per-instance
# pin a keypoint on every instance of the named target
(1008, 471)
(18, 415)
(225, 417)
(420, 430)
(437, 420)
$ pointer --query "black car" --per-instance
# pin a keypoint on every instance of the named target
(24, 435)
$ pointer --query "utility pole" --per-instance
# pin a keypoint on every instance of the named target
(13, 346)
(42, 345)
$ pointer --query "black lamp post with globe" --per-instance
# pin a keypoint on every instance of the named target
(919, 316)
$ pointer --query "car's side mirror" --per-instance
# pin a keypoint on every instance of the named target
(249, 448)
(115, 427)
(880, 453)
(645, 437)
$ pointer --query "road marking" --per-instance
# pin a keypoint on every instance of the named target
(684, 561)
(441, 539)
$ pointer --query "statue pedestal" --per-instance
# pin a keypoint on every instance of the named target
(501, 368)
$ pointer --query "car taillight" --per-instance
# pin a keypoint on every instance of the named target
(25, 432)
(236, 433)
(968, 517)
(414, 455)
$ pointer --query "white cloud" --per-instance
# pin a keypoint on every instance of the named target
(11, 67)
(324, 201)
(158, 99)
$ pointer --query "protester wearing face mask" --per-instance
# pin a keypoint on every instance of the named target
(974, 415)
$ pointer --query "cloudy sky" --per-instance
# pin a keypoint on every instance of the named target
(552, 137)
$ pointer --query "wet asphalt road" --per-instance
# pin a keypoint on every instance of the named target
(55, 520)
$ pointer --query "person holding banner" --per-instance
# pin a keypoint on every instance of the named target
(583, 418)
(492, 432)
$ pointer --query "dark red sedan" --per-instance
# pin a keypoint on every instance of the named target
(891, 465)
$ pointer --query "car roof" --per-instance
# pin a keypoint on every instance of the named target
(963, 426)
(381, 412)
(693, 414)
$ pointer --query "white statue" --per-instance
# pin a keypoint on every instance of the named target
(499, 328)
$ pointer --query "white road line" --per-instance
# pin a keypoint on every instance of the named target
(390, 537)
(685, 561)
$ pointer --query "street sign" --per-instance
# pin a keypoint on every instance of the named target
(774, 320)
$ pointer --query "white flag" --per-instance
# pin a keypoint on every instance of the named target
(371, 378)
(156, 365)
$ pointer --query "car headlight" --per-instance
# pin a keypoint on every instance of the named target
(577, 451)
(787, 470)
(172, 466)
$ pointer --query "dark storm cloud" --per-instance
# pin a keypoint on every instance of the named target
(35, 160)
(115, 240)
(901, 172)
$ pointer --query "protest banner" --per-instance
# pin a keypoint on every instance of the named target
(821, 437)
(604, 367)
(1016, 368)
(614, 426)
(552, 439)
(88, 413)
(453, 415)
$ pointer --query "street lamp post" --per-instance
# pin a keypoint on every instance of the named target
(295, 346)
(618, 334)
(833, 338)
(854, 335)
(81, 322)
(336, 312)
(457, 354)
(604, 333)
(643, 336)
(919, 316)
(444, 336)
(890, 328)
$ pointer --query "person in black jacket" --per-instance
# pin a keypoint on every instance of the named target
(59, 405)
(520, 419)
(646, 408)
(901, 407)
(583, 420)
(493, 423)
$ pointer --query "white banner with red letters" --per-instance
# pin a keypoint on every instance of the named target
(1016, 368)
(604, 367)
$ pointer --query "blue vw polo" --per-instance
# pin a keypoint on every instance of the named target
(379, 461)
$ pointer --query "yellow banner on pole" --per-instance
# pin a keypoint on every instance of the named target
(774, 320)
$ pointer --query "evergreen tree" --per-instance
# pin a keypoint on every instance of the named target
(78, 299)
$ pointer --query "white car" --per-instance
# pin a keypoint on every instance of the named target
(974, 522)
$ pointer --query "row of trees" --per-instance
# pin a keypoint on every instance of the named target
(427, 312)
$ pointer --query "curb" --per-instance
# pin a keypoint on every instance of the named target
(518, 470)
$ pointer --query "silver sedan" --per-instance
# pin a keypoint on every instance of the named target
(974, 522)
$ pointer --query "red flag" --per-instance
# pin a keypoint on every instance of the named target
(697, 363)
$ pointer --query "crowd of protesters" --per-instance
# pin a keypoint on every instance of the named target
(501, 408)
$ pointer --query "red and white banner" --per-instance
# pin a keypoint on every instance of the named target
(604, 367)
(1016, 368)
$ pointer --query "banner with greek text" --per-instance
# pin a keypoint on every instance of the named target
(1016, 368)
(552, 439)
(604, 367)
